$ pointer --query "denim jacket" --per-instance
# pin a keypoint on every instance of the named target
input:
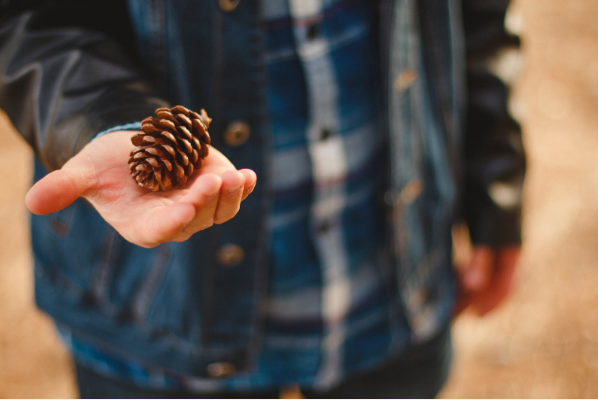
(72, 69)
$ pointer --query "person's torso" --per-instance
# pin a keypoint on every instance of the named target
(298, 104)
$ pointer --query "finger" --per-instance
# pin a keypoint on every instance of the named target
(479, 271)
(60, 188)
(250, 182)
(502, 281)
(163, 224)
(230, 196)
(474, 279)
(203, 194)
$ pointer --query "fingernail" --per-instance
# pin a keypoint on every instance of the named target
(235, 189)
(213, 192)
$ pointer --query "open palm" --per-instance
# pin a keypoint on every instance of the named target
(100, 174)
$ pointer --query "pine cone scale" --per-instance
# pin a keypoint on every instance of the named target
(205, 150)
(184, 158)
(167, 164)
(143, 168)
(167, 147)
(186, 132)
(167, 115)
(181, 110)
(152, 161)
(170, 148)
(180, 171)
(182, 118)
(158, 174)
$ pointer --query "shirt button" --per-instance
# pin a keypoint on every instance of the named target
(324, 226)
(221, 369)
(228, 5)
(325, 134)
(313, 31)
(405, 79)
(237, 133)
(230, 255)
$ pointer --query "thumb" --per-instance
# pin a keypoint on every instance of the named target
(477, 276)
(62, 187)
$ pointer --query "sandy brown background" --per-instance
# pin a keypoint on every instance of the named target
(542, 343)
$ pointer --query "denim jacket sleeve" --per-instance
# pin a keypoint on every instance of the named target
(494, 154)
(64, 77)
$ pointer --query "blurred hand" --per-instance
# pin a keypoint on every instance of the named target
(100, 174)
(487, 280)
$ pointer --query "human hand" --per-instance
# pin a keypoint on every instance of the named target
(100, 174)
(487, 280)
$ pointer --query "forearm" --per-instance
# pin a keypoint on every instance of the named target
(62, 82)
(494, 153)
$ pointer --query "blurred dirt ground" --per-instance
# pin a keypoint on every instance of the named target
(542, 343)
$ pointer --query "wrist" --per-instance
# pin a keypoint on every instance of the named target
(131, 126)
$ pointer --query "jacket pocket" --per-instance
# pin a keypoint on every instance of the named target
(73, 245)
(159, 287)
(100, 271)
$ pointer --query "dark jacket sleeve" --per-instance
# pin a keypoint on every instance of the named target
(66, 73)
(494, 154)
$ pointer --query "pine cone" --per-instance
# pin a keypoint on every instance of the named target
(170, 148)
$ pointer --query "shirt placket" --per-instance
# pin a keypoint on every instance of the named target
(329, 166)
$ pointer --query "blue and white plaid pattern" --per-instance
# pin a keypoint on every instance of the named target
(330, 309)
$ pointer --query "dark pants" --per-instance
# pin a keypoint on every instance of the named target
(420, 372)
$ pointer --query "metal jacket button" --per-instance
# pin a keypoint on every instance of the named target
(237, 133)
(230, 255)
(221, 369)
(228, 5)
(404, 80)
